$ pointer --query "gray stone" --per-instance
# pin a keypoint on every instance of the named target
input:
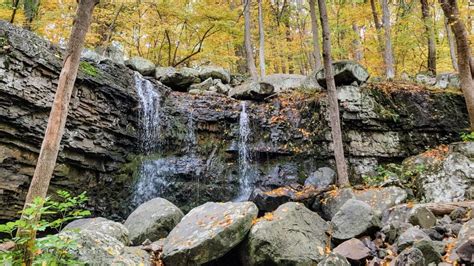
(330, 203)
(177, 79)
(321, 178)
(353, 219)
(393, 230)
(99, 224)
(345, 73)
(257, 91)
(214, 72)
(292, 235)
(429, 251)
(91, 55)
(142, 65)
(352, 249)
(465, 244)
(152, 220)
(445, 178)
(459, 214)
(423, 217)
(285, 82)
(208, 232)
(213, 85)
(333, 259)
(96, 248)
(114, 52)
(410, 236)
(412, 257)
(425, 79)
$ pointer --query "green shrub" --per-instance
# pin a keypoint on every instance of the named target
(467, 136)
(51, 249)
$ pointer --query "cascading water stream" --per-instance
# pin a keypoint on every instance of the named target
(149, 183)
(246, 183)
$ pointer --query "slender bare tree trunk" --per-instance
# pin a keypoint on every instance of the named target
(356, 44)
(31, 9)
(430, 34)
(378, 25)
(452, 45)
(343, 178)
(451, 12)
(15, 7)
(248, 42)
(57, 118)
(261, 33)
(315, 33)
(388, 51)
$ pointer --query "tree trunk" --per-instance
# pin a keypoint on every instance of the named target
(31, 9)
(388, 52)
(261, 33)
(356, 43)
(430, 34)
(452, 45)
(58, 115)
(451, 12)
(15, 7)
(341, 166)
(378, 25)
(248, 42)
(315, 33)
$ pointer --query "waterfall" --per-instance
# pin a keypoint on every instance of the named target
(191, 140)
(246, 183)
(150, 183)
(149, 114)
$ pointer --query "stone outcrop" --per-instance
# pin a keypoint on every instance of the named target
(198, 151)
(100, 131)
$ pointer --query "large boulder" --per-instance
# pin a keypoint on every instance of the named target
(425, 79)
(284, 82)
(96, 248)
(99, 224)
(256, 91)
(353, 219)
(292, 235)
(142, 65)
(345, 73)
(214, 72)
(379, 199)
(444, 174)
(177, 79)
(208, 232)
(152, 220)
(322, 178)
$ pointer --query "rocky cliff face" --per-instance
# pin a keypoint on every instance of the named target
(100, 130)
(197, 158)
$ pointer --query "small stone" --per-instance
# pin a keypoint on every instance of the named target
(412, 257)
(429, 251)
(333, 259)
(353, 249)
(410, 236)
(458, 214)
(423, 217)
(99, 224)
